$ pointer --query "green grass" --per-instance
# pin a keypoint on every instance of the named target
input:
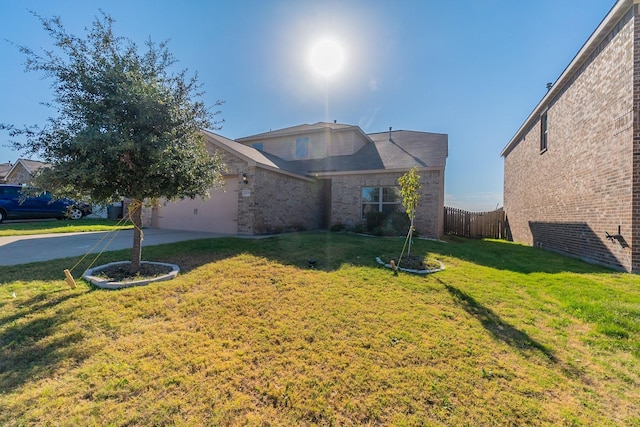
(249, 335)
(63, 226)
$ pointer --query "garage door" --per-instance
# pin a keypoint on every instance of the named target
(218, 214)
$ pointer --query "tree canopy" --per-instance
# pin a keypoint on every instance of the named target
(126, 125)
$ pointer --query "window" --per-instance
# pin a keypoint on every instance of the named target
(258, 146)
(302, 148)
(544, 130)
(380, 199)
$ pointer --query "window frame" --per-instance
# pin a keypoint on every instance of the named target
(379, 201)
(544, 132)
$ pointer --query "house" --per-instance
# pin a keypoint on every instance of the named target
(572, 170)
(313, 176)
(22, 170)
(4, 170)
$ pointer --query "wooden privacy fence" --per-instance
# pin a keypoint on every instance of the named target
(475, 224)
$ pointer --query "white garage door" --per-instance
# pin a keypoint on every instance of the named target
(218, 214)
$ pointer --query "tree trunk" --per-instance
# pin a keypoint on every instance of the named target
(135, 214)
(410, 237)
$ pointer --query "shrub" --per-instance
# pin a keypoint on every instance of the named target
(337, 227)
(375, 220)
(360, 228)
(377, 231)
(400, 222)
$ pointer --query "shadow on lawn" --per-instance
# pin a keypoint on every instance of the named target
(34, 348)
(500, 330)
(518, 258)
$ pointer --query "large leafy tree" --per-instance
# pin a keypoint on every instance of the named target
(126, 125)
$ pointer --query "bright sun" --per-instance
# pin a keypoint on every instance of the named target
(327, 57)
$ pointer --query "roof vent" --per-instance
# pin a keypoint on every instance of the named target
(549, 86)
(335, 121)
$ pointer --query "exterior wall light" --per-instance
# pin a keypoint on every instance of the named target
(245, 179)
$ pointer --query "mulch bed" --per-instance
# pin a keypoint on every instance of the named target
(121, 273)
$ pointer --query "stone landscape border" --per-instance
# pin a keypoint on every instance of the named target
(409, 270)
(105, 284)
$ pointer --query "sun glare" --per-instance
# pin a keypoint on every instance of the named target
(327, 57)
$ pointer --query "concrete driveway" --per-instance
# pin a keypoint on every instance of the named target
(43, 247)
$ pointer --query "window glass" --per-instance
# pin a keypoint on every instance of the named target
(9, 192)
(370, 194)
(258, 146)
(380, 199)
(302, 148)
(544, 131)
(391, 194)
(366, 208)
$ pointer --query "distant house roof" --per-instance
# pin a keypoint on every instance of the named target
(395, 150)
(30, 166)
(4, 170)
(616, 13)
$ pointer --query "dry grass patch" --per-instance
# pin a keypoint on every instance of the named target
(250, 336)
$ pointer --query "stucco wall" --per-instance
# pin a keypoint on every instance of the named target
(321, 144)
(567, 198)
(346, 199)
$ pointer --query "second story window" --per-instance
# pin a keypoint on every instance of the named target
(258, 146)
(544, 132)
(302, 148)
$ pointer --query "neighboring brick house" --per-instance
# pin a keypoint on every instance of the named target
(4, 170)
(22, 170)
(572, 170)
(313, 176)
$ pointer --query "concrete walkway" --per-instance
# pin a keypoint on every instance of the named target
(43, 247)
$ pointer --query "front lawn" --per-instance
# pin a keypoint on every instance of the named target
(248, 334)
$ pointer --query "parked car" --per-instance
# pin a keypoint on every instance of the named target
(14, 205)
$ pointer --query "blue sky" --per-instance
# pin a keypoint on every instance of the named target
(473, 69)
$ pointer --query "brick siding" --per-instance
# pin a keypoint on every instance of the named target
(346, 199)
(567, 198)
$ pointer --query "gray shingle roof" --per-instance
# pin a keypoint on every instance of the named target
(407, 149)
(248, 152)
(403, 150)
(4, 169)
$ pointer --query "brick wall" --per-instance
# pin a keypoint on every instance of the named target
(567, 198)
(635, 210)
(284, 203)
(346, 199)
(277, 204)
